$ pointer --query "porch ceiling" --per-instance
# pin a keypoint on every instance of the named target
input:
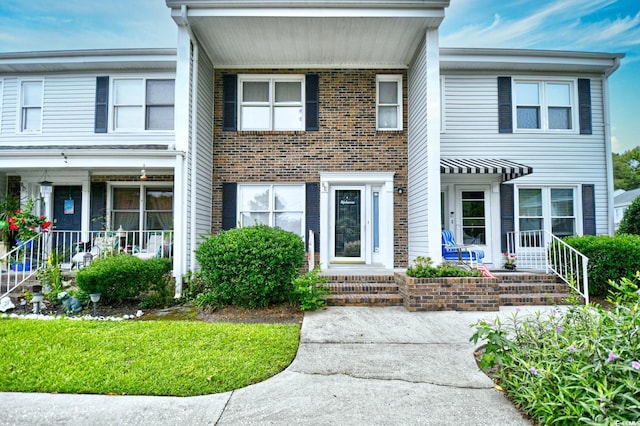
(306, 35)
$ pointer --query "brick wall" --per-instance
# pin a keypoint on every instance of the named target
(346, 142)
(448, 293)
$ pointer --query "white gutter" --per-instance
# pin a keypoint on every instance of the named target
(194, 158)
(607, 144)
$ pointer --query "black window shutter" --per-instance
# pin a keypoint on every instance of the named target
(584, 105)
(229, 195)
(312, 106)
(230, 101)
(102, 105)
(312, 212)
(98, 205)
(588, 209)
(505, 111)
(507, 209)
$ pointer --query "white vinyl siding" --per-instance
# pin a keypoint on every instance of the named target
(557, 158)
(68, 115)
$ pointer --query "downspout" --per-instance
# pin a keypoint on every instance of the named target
(607, 144)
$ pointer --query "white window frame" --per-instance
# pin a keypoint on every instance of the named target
(142, 208)
(1, 101)
(395, 78)
(547, 213)
(22, 107)
(142, 103)
(271, 208)
(271, 79)
(544, 105)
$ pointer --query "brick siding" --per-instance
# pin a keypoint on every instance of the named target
(347, 141)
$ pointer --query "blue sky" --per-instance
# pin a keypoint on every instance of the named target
(584, 25)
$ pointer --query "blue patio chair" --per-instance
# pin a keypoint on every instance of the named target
(460, 253)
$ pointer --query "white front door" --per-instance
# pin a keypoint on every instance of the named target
(473, 218)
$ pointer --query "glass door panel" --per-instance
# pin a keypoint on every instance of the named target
(348, 224)
(474, 228)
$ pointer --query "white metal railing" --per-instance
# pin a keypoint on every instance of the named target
(542, 251)
(76, 248)
(21, 263)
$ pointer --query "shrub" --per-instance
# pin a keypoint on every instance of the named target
(252, 266)
(122, 277)
(580, 367)
(422, 268)
(310, 290)
(610, 258)
(630, 223)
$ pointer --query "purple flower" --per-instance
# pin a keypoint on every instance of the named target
(635, 365)
(559, 330)
(638, 291)
(534, 371)
(554, 312)
(613, 356)
(518, 309)
(572, 348)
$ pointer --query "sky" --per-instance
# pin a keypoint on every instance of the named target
(611, 26)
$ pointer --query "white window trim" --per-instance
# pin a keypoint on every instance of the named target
(397, 78)
(271, 79)
(546, 205)
(544, 107)
(1, 101)
(143, 104)
(271, 210)
(21, 106)
(141, 206)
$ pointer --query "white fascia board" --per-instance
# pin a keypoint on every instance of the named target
(87, 159)
(313, 13)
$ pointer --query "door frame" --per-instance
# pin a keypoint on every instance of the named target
(364, 246)
(370, 182)
(457, 229)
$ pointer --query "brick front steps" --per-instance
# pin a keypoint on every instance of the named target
(455, 294)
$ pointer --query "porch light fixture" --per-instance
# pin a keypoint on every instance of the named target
(400, 190)
(143, 173)
(95, 298)
(46, 186)
(36, 298)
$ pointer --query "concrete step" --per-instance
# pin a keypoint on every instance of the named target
(533, 299)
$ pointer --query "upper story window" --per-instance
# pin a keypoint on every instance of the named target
(273, 102)
(544, 105)
(143, 104)
(31, 106)
(389, 102)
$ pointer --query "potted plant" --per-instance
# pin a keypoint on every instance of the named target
(25, 225)
(509, 261)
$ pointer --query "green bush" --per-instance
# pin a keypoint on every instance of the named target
(578, 367)
(252, 266)
(422, 268)
(610, 258)
(310, 290)
(630, 223)
(122, 277)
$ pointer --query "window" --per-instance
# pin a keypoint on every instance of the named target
(551, 209)
(389, 102)
(31, 106)
(143, 104)
(271, 102)
(142, 207)
(278, 205)
(544, 105)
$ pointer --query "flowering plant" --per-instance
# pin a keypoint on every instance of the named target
(509, 260)
(26, 224)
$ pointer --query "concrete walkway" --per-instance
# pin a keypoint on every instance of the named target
(355, 366)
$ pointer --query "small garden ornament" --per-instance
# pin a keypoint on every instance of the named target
(71, 304)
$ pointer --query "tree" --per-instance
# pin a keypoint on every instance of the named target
(626, 169)
(631, 221)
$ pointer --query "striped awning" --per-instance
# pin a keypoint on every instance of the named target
(508, 169)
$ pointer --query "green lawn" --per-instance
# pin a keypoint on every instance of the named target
(180, 358)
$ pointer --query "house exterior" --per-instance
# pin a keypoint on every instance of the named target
(621, 201)
(341, 121)
(89, 122)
